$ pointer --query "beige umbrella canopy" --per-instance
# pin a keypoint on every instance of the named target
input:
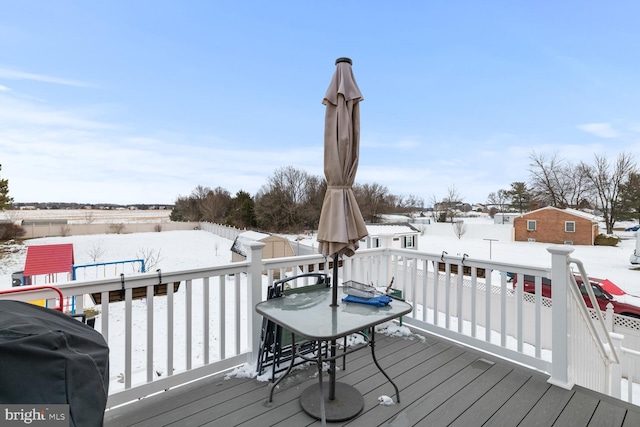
(341, 224)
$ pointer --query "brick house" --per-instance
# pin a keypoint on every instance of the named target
(553, 225)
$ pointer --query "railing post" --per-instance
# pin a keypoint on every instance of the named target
(560, 316)
(615, 384)
(609, 317)
(385, 242)
(254, 296)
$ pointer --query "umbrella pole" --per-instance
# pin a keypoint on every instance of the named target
(334, 296)
(334, 305)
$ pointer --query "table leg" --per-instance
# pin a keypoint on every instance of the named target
(372, 343)
(288, 371)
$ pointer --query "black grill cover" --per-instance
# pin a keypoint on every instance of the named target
(47, 357)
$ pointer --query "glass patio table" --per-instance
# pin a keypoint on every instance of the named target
(310, 315)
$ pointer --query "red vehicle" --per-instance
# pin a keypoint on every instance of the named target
(605, 292)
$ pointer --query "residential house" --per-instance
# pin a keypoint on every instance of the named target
(554, 225)
(398, 235)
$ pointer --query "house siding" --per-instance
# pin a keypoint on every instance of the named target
(550, 227)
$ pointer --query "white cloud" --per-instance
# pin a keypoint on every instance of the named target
(6, 73)
(603, 130)
(4, 89)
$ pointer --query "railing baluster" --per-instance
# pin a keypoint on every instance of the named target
(188, 321)
(170, 309)
(128, 331)
(474, 289)
(238, 327)
(222, 317)
(149, 299)
(205, 319)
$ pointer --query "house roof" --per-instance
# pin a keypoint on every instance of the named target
(390, 229)
(569, 211)
(49, 259)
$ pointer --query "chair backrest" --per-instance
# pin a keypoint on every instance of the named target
(279, 288)
(276, 345)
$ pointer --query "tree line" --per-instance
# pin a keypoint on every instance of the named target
(289, 202)
(291, 199)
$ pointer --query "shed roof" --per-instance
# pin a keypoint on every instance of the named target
(238, 245)
(48, 259)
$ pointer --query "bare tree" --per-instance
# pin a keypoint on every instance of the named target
(410, 203)
(451, 202)
(373, 200)
(282, 205)
(548, 179)
(117, 228)
(89, 216)
(96, 252)
(459, 228)
(150, 257)
(499, 198)
(607, 182)
(214, 206)
(436, 213)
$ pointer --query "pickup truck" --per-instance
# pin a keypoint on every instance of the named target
(605, 292)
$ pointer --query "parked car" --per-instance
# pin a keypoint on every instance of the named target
(605, 292)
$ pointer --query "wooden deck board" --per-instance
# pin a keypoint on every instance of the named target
(546, 411)
(285, 398)
(441, 384)
(487, 405)
(579, 410)
(456, 405)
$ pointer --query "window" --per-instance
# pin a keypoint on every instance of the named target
(408, 242)
(531, 225)
(375, 242)
(569, 226)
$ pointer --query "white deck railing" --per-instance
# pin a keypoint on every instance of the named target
(209, 324)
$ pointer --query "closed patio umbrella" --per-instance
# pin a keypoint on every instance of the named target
(341, 224)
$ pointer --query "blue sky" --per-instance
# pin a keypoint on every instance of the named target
(141, 101)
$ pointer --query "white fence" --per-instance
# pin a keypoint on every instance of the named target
(56, 229)
(221, 230)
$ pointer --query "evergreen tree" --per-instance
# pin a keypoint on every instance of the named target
(520, 196)
(5, 201)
